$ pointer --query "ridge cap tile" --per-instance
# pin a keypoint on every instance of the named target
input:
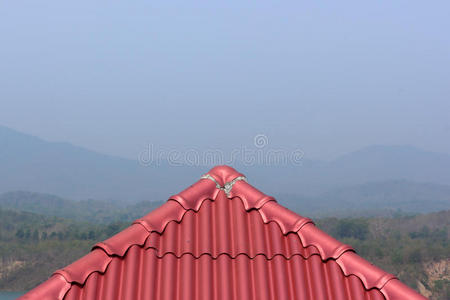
(370, 275)
(118, 244)
(394, 289)
(288, 220)
(158, 218)
(251, 197)
(53, 288)
(328, 246)
(193, 196)
(223, 174)
(77, 272)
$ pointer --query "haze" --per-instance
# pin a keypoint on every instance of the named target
(325, 78)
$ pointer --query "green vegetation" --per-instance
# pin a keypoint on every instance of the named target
(33, 246)
(415, 248)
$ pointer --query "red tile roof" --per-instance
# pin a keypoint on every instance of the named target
(222, 239)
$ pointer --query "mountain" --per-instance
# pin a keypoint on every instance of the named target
(375, 163)
(93, 211)
(29, 163)
(381, 198)
(384, 198)
(32, 164)
(370, 164)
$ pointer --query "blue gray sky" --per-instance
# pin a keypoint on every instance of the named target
(328, 78)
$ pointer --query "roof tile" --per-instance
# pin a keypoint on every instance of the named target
(141, 274)
(250, 196)
(210, 242)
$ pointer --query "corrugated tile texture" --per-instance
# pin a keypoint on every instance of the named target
(142, 274)
(202, 244)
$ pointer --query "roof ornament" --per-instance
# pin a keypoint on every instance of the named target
(227, 186)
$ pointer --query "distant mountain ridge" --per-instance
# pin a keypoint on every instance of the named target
(387, 198)
(377, 163)
(31, 164)
(380, 198)
(93, 211)
(370, 164)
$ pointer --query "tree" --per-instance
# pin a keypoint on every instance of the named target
(355, 228)
(397, 257)
(91, 235)
(35, 235)
(415, 256)
(20, 233)
(112, 229)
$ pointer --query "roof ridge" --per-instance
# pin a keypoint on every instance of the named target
(56, 287)
(77, 272)
(223, 174)
(370, 275)
(394, 289)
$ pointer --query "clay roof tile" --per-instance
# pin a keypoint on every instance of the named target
(221, 238)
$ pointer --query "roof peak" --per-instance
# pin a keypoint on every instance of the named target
(223, 174)
(227, 186)
(225, 179)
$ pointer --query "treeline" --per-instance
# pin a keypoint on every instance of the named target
(92, 211)
(29, 227)
(97, 233)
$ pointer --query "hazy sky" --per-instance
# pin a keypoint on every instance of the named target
(324, 77)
